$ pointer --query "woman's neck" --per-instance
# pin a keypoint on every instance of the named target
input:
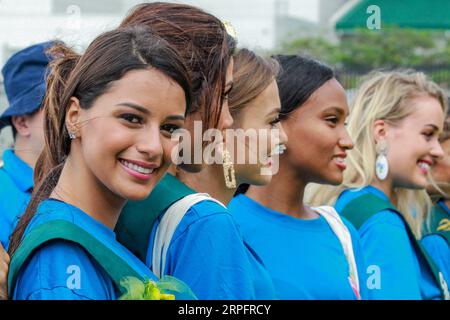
(386, 187)
(24, 151)
(78, 186)
(210, 180)
(284, 194)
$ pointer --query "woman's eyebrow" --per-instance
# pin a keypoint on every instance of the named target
(134, 106)
(274, 111)
(436, 128)
(337, 109)
(176, 117)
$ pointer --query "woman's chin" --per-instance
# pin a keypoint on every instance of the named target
(334, 179)
(137, 194)
(259, 180)
(191, 168)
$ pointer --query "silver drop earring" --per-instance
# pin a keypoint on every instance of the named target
(381, 164)
(72, 135)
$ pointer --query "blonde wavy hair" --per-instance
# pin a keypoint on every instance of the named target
(382, 96)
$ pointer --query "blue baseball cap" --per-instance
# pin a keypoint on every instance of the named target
(24, 77)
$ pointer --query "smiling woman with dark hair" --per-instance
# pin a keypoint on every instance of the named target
(109, 115)
(310, 253)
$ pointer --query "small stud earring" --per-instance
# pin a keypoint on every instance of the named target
(72, 135)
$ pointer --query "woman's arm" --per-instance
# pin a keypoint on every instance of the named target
(4, 267)
(392, 273)
(62, 270)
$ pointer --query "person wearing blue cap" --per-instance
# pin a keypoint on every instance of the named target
(24, 80)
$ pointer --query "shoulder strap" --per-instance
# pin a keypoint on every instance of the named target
(360, 209)
(167, 226)
(440, 223)
(137, 218)
(116, 267)
(344, 236)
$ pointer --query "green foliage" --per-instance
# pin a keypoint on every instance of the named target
(369, 49)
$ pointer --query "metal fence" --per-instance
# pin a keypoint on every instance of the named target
(351, 78)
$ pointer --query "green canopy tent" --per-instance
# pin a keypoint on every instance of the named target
(416, 14)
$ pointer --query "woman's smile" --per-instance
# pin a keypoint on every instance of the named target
(138, 169)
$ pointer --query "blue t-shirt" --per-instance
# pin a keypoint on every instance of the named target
(208, 253)
(439, 250)
(394, 269)
(16, 184)
(304, 257)
(63, 270)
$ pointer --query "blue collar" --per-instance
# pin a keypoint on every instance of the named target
(20, 172)
(53, 209)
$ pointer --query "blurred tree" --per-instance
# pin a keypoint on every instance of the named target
(368, 49)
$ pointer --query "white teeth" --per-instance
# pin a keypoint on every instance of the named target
(340, 160)
(137, 168)
(279, 149)
(424, 166)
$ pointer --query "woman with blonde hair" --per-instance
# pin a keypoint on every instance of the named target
(395, 123)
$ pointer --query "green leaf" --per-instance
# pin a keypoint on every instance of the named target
(134, 289)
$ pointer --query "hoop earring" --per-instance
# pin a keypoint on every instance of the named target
(381, 164)
(228, 169)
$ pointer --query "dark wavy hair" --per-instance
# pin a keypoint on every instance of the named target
(86, 77)
(203, 43)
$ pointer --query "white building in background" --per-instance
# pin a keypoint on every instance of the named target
(260, 24)
(23, 22)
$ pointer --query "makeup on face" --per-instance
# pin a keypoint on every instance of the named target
(318, 140)
(413, 143)
(126, 135)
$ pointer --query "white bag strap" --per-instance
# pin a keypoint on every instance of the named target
(167, 226)
(341, 231)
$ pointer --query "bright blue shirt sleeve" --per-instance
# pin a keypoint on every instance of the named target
(439, 250)
(208, 253)
(62, 270)
(13, 203)
(393, 271)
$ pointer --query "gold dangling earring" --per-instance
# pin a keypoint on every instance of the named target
(228, 169)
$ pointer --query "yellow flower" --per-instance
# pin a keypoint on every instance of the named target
(136, 289)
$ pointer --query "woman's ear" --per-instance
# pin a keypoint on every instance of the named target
(21, 125)
(380, 129)
(73, 114)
